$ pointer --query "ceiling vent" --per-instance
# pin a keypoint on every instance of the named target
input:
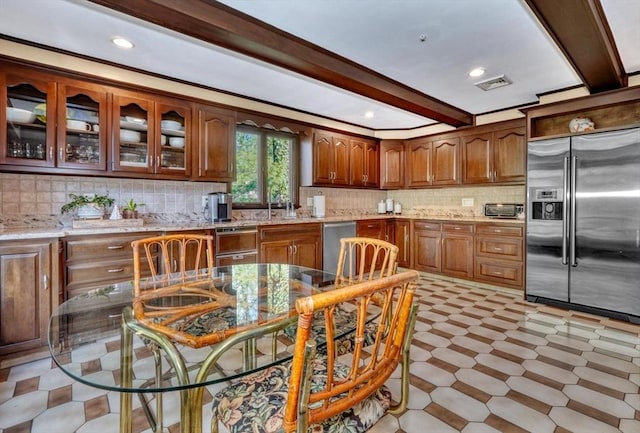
(493, 83)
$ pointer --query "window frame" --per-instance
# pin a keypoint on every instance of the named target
(294, 173)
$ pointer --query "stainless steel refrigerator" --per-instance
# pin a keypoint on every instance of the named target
(583, 222)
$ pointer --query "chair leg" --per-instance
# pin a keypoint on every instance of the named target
(157, 356)
(406, 349)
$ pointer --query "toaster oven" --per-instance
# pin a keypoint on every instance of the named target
(504, 210)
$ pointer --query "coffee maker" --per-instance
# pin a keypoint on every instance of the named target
(218, 207)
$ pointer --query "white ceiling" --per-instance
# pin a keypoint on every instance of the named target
(502, 36)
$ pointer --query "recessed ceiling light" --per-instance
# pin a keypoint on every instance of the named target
(476, 72)
(122, 42)
(369, 114)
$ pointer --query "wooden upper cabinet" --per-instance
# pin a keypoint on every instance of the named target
(330, 159)
(133, 129)
(494, 156)
(391, 164)
(28, 141)
(174, 139)
(215, 144)
(82, 132)
(510, 155)
(418, 167)
(446, 162)
(363, 155)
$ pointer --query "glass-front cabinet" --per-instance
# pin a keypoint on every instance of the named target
(151, 136)
(82, 127)
(26, 137)
(132, 129)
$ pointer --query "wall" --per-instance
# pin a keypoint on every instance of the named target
(35, 200)
(38, 198)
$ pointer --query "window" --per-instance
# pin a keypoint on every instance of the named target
(266, 168)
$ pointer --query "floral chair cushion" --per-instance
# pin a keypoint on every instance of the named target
(343, 320)
(255, 403)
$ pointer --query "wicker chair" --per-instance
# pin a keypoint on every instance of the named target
(165, 260)
(318, 391)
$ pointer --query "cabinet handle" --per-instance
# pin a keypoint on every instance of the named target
(60, 155)
(115, 247)
(295, 250)
(175, 265)
(114, 316)
(158, 161)
(497, 231)
(115, 271)
(45, 282)
(497, 249)
(457, 228)
(497, 273)
(237, 257)
(50, 152)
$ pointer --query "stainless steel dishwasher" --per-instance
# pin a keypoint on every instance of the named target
(332, 233)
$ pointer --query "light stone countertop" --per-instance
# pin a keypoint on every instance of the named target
(23, 232)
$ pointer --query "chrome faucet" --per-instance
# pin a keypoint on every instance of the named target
(269, 210)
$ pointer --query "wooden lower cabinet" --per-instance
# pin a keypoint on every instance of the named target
(457, 250)
(427, 246)
(28, 293)
(402, 239)
(298, 244)
(96, 260)
(499, 251)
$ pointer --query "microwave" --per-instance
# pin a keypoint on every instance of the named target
(504, 210)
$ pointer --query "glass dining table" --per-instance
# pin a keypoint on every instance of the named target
(96, 339)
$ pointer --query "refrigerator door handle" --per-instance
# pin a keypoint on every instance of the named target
(572, 216)
(565, 212)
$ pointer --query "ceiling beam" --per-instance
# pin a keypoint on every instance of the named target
(581, 31)
(218, 24)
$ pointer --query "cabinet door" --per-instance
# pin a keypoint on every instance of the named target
(418, 168)
(82, 126)
(427, 251)
(308, 252)
(173, 146)
(391, 164)
(477, 159)
(25, 296)
(445, 164)
(372, 165)
(457, 255)
(402, 241)
(341, 161)
(216, 144)
(509, 155)
(133, 128)
(25, 140)
(358, 161)
(276, 251)
(322, 158)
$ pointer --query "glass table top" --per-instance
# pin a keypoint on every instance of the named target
(242, 301)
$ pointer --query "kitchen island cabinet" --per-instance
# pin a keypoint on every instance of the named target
(297, 244)
(28, 293)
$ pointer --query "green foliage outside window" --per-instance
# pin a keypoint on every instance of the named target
(264, 167)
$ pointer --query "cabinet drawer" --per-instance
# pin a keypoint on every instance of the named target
(236, 241)
(81, 277)
(429, 226)
(457, 228)
(504, 248)
(101, 248)
(499, 230)
(237, 259)
(499, 272)
(290, 231)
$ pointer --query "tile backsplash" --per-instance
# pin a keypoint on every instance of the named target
(40, 197)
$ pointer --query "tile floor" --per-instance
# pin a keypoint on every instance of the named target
(482, 361)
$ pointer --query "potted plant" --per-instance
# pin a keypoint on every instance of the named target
(87, 205)
(130, 209)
